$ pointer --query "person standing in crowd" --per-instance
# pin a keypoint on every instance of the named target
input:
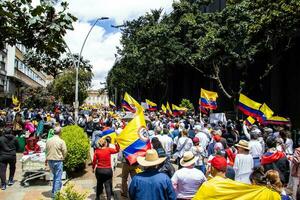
(295, 171)
(40, 126)
(187, 180)
(199, 152)
(17, 125)
(243, 163)
(277, 160)
(8, 148)
(273, 179)
(203, 138)
(184, 144)
(255, 148)
(56, 152)
(151, 184)
(102, 164)
(166, 142)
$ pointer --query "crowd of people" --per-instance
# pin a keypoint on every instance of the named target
(190, 157)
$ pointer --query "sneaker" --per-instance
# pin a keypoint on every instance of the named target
(3, 187)
(10, 183)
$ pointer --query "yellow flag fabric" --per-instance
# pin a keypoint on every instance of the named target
(129, 99)
(177, 108)
(150, 103)
(208, 95)
(15, 100)
(219, 188)
(163, 107)
(112, 104)
(266, 111)
(249, 121)
(169, 108)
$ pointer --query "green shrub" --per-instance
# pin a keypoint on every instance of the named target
(187, 104)
(78, 147)
(70, 193)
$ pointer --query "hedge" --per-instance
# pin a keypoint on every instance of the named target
(78, 147)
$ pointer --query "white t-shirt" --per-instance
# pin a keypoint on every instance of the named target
(187, 181)
(166, 142)
(198, 151)
(256, 149)
(187, 145)
(243, 165)
(204, 140)
(289, 146)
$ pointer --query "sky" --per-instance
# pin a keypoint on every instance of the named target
(100, 47)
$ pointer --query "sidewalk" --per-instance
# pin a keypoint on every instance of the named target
(41, 189)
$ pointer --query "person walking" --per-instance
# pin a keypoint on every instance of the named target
(243, 163)
(56, 152)
(8, 148)
(184, 184)
(151, 184)
(102, 164)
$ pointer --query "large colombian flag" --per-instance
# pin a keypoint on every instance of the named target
(208, 99)
(249, 107)
(130, 141)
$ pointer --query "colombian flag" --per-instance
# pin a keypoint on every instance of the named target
(129, 102)
(169, 111)
(112, 104)
(177, 111)
(208, 99)
(277, 120)
(203, 110)
(249, 121)
(265, 113)
(151, 105)
(163, 108)
(111, 133)
(249, 107)
(131, 141)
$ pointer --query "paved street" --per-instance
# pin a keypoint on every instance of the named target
(40, 189)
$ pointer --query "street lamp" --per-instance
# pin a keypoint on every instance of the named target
(77, 68)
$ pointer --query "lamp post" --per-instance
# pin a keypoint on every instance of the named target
(77, 68)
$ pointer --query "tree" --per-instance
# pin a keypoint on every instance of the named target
(40, 27)
(187, 104)
(37, 98)
(54, 66)
(63, 87)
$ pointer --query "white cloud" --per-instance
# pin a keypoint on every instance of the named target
(100, 47)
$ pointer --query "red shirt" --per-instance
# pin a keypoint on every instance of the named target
(36, 149)
(102, 157)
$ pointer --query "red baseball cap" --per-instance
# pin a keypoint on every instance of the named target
(196, 140)
(219, 162)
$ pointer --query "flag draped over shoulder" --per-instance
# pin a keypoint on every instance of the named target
(265, 113)
(277, 120)
(151, 105)
(249, 107)
(128, 103)
(249, 121)
(225, 189)
(178, 110)
(131, 141)
(208, 99)
(112, 104)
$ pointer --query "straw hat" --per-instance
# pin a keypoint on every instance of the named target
(151, 159)
(188, 159)
(243, 144)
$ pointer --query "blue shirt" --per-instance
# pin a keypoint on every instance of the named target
(151, 185)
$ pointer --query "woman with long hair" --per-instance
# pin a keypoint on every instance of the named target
(102, 167)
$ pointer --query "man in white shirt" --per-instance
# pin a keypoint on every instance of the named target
(255, 149)
(166, 141)
(187, 180)
(204, 140)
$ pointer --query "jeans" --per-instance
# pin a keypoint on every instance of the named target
(104, 177)
(256, 162)
(56, 167)
(3, 167)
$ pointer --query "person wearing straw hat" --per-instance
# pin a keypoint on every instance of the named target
(243, 163)
(151, 184)
(184, 184)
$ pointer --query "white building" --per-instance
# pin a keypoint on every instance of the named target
(95, 98)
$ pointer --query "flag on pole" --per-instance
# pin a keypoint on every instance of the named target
(132, 140)
(265, 113)
(249, 121)
(151, 105)
(169, 111)
(163, 108)
(249, 107)
(208, 99)
(112, 104)
(177, 111)
(128, 103)
(277, 120)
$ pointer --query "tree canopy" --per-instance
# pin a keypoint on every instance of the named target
(233, 40)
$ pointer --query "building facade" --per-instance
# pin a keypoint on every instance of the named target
(95, 98)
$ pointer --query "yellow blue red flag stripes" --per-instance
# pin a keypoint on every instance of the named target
(151, 105)
(249, 121)
(178, 110)
(277, 120)
(128, 103)
(249, 107)
(111, 133)
(169, 111)
(163, 108)
(112, 104)
(208, 99)
(265, 113)
(131, 140)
